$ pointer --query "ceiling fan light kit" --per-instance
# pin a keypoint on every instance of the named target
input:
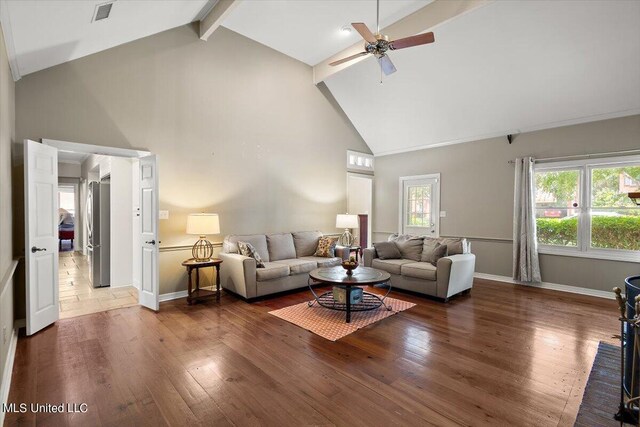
(378, 44)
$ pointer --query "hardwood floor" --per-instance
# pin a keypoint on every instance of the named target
(504, 355)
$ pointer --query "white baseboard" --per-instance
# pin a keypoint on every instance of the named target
(8, 370)
(173, 295)
(547, 285)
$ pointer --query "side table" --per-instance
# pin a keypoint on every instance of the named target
(197, 294)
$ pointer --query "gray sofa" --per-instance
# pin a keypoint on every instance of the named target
(288, 259)
(451, 275)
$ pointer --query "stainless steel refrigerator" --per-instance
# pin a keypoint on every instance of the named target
(98, 230)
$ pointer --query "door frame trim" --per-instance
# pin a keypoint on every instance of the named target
(402, 179)
(101, 150)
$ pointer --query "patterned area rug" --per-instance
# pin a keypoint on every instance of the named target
(330, 324)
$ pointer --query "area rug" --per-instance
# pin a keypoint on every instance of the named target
(330, 324)
(602, 393)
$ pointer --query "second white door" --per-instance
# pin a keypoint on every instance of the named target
(420, 205)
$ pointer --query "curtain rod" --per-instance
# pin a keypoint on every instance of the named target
(583, 156)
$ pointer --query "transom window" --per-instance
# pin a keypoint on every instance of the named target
(582, 208)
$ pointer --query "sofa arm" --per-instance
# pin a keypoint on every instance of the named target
(455, 274)
(369, 254)
(238, 274)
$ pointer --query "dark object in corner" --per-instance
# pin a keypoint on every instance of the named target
(510, 138)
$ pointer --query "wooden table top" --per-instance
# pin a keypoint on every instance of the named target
(360, 276)
(192, 262)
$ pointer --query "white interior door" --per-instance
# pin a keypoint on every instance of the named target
(420, 205)
(149, 281)
(41, 234)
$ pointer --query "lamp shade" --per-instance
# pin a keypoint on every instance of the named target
(203, 224)
(346, 221)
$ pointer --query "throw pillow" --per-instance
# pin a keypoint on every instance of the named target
(454, 245)
(410, 248)
(247, 249)
(438, 252)
(326, 247)
(387, 250)
(428, 247)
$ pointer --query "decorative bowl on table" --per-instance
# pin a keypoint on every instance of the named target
(349, 266)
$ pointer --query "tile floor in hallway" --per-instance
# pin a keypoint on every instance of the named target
(78, 297)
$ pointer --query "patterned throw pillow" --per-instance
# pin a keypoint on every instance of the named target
(326, 247)
(247, 249)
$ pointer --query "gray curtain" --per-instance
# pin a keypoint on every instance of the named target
(526, 267)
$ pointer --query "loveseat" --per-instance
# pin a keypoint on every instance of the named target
(410, 269)
(288, 258)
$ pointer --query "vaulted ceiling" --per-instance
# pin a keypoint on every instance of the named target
(41, 33)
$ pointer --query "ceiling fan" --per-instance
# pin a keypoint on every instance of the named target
(378, 44)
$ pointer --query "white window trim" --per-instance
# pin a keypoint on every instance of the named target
(583, 250)
(436, 195)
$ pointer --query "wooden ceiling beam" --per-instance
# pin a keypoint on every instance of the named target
(435, 13)
(216, 17)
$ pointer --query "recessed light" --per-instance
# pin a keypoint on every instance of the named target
(346, 30)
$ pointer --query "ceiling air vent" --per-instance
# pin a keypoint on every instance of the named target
(102, 11)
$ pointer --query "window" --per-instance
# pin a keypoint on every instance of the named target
(582, 208)
(359, 161)
(419, 206)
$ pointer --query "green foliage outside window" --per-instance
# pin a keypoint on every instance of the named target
(607, 232)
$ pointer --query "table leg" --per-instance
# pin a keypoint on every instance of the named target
(190, 290)
(218, 281)
(348, 291)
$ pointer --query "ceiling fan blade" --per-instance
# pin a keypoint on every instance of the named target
(348, 58)
(365, 32)
(412, 41)
(386, 65)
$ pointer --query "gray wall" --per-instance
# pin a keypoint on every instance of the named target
(239, 128)
(477, 194)
(7, 128)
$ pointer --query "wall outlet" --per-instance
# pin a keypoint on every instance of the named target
(163, 214)
(443, 214)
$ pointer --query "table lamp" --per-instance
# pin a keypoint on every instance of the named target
(202, 224)
(347, 222)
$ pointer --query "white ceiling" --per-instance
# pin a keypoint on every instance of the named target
(46, 33)
(309, 30)
(506, 67)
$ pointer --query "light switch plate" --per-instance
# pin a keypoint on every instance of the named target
(163, 214)
(443, 214)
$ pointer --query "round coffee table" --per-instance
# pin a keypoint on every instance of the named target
(362, 276)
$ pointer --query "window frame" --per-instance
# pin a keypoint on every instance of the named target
(583, 248)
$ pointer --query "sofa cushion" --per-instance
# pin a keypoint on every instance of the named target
(306, 242)
(247, 249)
(280, 246)
(298, 266)
(326, 247)
(272, 270)
(323, 261)
(389, 265)
(387, 250)
(410, 247)
(259, 242)
(419, 270)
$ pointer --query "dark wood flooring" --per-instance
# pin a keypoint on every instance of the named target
(503, 355)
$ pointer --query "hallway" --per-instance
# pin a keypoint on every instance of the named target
(78, 297)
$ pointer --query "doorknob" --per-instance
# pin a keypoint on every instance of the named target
(151, 242)
(35, 249)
